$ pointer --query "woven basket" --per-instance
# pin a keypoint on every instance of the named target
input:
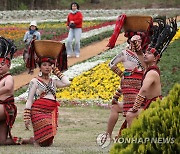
(47, 48)
(137, 23)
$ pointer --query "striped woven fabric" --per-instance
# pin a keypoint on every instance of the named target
(130, 86)
(147, 102)
(44, 115)
(10, 110)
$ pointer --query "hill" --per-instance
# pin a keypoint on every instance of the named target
(87, 4)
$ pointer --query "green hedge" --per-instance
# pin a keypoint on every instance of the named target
(160, 121)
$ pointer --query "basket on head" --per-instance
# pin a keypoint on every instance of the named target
(48, 48)
(137, 23)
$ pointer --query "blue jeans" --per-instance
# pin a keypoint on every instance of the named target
(76, 34)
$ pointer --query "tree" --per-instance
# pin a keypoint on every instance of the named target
(33, 4)
(95, 1)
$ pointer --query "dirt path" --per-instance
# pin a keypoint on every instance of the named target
(86, 52)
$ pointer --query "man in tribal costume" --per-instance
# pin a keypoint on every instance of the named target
(163, 33)
(8, 109)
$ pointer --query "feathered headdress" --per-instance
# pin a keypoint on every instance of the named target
(7, 48)
(163, 32)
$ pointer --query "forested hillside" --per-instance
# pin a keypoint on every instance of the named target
(86, 4)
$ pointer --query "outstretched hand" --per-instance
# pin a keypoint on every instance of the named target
(27, 124)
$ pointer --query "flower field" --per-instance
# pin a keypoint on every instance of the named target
(97, 83)
(50, 31)
(92, 80)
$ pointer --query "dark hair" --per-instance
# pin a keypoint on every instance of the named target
(75, 4)
(30, 28)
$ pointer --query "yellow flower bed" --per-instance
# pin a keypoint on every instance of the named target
(17, 31)
(12, 33)
(177, 36)
(99, 82)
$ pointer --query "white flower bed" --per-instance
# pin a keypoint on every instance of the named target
(19, 60)
(77, 69)
(61, 15)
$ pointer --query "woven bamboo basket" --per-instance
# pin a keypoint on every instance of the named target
(47, 48)
(137, 23)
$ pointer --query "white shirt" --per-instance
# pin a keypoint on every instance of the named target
(38, 89)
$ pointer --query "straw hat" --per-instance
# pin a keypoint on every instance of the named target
(137, 23)
(48, 48)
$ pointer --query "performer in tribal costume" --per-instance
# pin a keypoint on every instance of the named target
(41, 106)
(132, 76)
(130, 83)
(8, 109)
(151, 85)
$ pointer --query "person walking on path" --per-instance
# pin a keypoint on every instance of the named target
(74, 24)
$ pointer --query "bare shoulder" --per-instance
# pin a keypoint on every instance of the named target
(9, 78)
(152, 73)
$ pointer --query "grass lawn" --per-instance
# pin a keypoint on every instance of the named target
(170, 67)
(77, 132)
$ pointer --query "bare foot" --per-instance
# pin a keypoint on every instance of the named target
(36, 144)
(28, 141)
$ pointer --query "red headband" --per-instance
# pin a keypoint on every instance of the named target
(47, 59)
(5, 60)
(154, 52)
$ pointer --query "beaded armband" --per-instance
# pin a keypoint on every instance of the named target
(57, 72)
(139, 100)
(116, 96)
(27, 114)
(116, 70)
(136, 46)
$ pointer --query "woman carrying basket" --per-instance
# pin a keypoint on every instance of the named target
(41, 107)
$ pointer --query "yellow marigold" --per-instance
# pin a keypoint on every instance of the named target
(99, 82)
(177, 36)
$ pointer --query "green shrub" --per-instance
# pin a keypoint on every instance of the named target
(159, 123)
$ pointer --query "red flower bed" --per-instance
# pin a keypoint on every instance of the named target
(64, 36)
